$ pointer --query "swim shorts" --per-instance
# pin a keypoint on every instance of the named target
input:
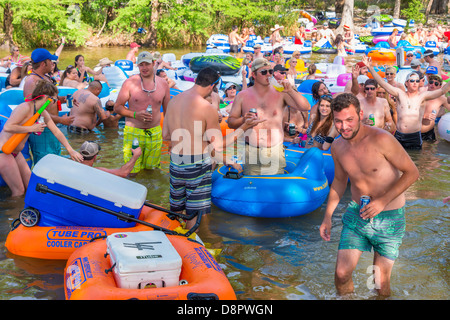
(411, 141)
(264, 161)
(44, 144)
(150, 141)
(384, 233)
(190, 183)
(429, 135)
(234, 48)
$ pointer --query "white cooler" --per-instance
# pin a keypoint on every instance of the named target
(143, 259)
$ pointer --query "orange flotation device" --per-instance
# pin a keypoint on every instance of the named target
(382, 55)
(224, 126)
(85, 276)
(59, 242)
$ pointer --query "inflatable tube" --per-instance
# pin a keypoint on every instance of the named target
(366, 39)
(225, 64)
(201, 277)
(324, 50)
(444, 127)
(302, 189)
(385, 31)
(59, 242)
(382, 55)
(308, 16)
(377, 39)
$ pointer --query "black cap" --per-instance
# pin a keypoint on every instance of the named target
(279, 67)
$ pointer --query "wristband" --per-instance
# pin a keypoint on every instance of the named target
(134, 116)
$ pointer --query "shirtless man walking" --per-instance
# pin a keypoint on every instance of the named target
(432, 108)
(234, 39)
(410, 106)
(88, 109)
(379, 167)
(143, 91)
(264, 152)
(371, 105)
(191, 124)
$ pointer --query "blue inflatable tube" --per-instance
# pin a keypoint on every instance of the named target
(295, 151)
(302, 189)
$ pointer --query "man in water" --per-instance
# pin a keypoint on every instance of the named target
(88, 109)
(377, 107)
(234, 39)
(191, 124)
(143, 91)
(410, 106)
(46, 143)
(428, 57)
(432, 109)
(131, 55)
(264, 152)
(377, 166)
(90, 149)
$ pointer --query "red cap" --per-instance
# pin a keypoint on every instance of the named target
(346, 27)
(134, 45)
(361, 64)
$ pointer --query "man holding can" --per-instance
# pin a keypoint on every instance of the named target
(379, 168)
(142, 91)
(264, 151)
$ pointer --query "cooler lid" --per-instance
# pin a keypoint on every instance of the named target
(143, 251)
(88, 180)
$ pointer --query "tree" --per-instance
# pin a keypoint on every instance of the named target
(347, 16)
(397, 9)
(7, 24)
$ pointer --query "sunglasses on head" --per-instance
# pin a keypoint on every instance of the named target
(370, 88)
(329, 96)
(264, 72)
(412, 80)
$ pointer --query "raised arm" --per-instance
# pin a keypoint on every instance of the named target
(389, 88)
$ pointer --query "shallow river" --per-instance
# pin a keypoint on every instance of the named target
(267, 258)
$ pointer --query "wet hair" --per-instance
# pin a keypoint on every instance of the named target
(65, 73)
(343, 101)
(372, 82)
(206, 77)
(339, 38)
(312, 69)
(109, 105)
(44, 87)
(24, 71)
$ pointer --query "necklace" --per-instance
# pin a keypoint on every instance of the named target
(148, 91)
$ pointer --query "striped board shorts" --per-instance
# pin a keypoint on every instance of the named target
(150, 141)
(190, 183)
(384, 234)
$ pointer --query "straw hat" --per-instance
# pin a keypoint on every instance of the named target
(103, 62)
(276, 27)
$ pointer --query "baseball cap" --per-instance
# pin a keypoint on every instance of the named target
(432, 70)
(414, 73)
(279, 67)
(362, 79)
(134, 45)
(259, 63)
(144, 56)
(228, 85)
(361, 64)
(41, 54)
(415, 63)
(156, 55)
(89, 149)
(256, 46)
(428, 52)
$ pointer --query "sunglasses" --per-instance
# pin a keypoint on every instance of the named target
(232, 87)
(329, 96)
(215, 82)
(282, 72)
(412, 80)
(389, 73)
(264, 72)
(410, 55)
(370, 88)
(435, 83)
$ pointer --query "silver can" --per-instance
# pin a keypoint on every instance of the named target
(253, 110)
(149, 109)
(292, 130)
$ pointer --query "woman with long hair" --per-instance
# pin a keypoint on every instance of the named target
(321, 131)
(69, 78)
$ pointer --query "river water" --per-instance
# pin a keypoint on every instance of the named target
(280, 259)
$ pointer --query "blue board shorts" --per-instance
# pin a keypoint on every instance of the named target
(384, 234)
(190, 183)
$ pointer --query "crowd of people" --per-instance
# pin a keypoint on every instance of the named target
(367, 129)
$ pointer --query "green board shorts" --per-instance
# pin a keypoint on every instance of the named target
(384, 234)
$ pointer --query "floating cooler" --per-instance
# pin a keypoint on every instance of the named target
(85, 183)
(144, 259)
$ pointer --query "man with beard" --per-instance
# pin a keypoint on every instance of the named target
(143, 91)
(377, 166)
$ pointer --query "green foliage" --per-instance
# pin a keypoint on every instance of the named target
(414, 11)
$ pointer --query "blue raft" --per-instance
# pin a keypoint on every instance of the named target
(302, 189)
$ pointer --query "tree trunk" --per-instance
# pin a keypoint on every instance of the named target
(7, 25)
(347, 16)
(151, 38)
(427, 10)
(397, 9)
(339, 6)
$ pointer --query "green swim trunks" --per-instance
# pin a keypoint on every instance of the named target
(150, 141)
(384, 234)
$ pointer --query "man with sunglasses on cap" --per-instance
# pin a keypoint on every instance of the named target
(264, 152)
(428, 57)
(410, 106)
(144, 93)
(90, 149)
(433, 108)
(191, 126)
